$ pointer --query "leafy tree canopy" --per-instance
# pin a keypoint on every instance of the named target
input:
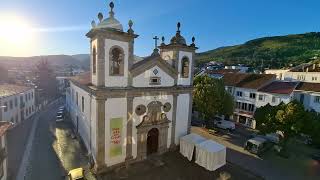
(211, 98)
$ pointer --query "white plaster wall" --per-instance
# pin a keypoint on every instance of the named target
(94, 43)
(268, 99)
(84, 117)
(309, 100)
(182, 115)
(245, 95)
(143, 80)
(116, 81)
(308, 76)
(115, 108)
(168, 56)
(16, 110)
(185, 81)
(145, 100)
(280, 73)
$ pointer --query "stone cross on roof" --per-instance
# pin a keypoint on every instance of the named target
(156, 42)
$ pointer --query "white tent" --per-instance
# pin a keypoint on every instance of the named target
(187, 144)
(210, 155)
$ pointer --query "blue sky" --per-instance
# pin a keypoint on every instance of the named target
(214, 23)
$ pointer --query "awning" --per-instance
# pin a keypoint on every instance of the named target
(187, 144)
(210, 155)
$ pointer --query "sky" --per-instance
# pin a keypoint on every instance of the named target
(59, 26)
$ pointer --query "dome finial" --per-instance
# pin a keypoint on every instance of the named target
(163, 39)
(193, 42)
(130, 30)
(111, 13)
(100, 16)
(179, 25)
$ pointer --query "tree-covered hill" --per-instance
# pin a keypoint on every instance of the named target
(273, 52)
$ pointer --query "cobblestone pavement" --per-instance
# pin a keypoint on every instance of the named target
(173, 166)
(54, 152)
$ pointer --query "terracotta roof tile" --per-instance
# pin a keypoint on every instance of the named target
(83, 78)
(305, 86)
(279, 87)
(245, 80)
(10, 89)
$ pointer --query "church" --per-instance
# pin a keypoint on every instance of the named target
(127, 108)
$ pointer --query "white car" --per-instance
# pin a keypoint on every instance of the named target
(59, 118)
(223, 124)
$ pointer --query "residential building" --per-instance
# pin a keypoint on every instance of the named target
(309, 95)
(4, 127)
(275, 93)
(308, 72)
(125, 110)
(16, 103)
(244, 88)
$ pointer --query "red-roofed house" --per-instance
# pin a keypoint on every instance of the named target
(309, 95)
(275, 93)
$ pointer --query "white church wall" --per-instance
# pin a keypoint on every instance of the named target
(143, 80)
(94, 43)
(184, 81)
(168, 56)
(182, 116)
(115, 108)
(145, 100)
(83, 122)
(116, 81)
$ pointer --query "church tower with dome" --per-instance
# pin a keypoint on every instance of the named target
(126, 109)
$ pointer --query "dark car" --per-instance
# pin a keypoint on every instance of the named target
(197, 123)
(316, 157)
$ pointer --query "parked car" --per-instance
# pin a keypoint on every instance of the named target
(76, 174)
(223, 124)
(316, 157)
(197, 123)
(257, 145)
(59, 118)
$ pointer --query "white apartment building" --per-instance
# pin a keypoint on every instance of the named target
(4, 126)
(309, 95)
(17, 103)
(244, 88)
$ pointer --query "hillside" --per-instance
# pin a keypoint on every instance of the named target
(54, 60)
(274, 52)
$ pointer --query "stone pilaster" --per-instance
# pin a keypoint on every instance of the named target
(129, 128)
(100, 136)
(190, 111)
(101, 62)
(173, 121)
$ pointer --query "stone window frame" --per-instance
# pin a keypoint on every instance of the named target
(94, 60)
(121, 56)
(155, 80)
(185, 67)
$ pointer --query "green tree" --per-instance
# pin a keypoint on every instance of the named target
(210, 97)
(286, 118)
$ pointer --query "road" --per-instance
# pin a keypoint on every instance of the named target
(54, 152)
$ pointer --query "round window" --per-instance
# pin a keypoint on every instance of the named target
(166, 107)
(140, 110)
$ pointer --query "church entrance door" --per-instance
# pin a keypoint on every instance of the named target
(152, 141)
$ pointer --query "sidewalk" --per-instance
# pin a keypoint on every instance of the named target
(69, 150)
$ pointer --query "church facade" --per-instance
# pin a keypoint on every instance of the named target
(128, 108)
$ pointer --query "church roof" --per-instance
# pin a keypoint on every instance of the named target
(151, 61)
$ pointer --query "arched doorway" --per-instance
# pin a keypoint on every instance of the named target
(152, 141)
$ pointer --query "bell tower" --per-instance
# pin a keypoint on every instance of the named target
(180, 56)
(111, 51)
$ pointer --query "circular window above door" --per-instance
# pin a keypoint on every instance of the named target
(140, 110)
